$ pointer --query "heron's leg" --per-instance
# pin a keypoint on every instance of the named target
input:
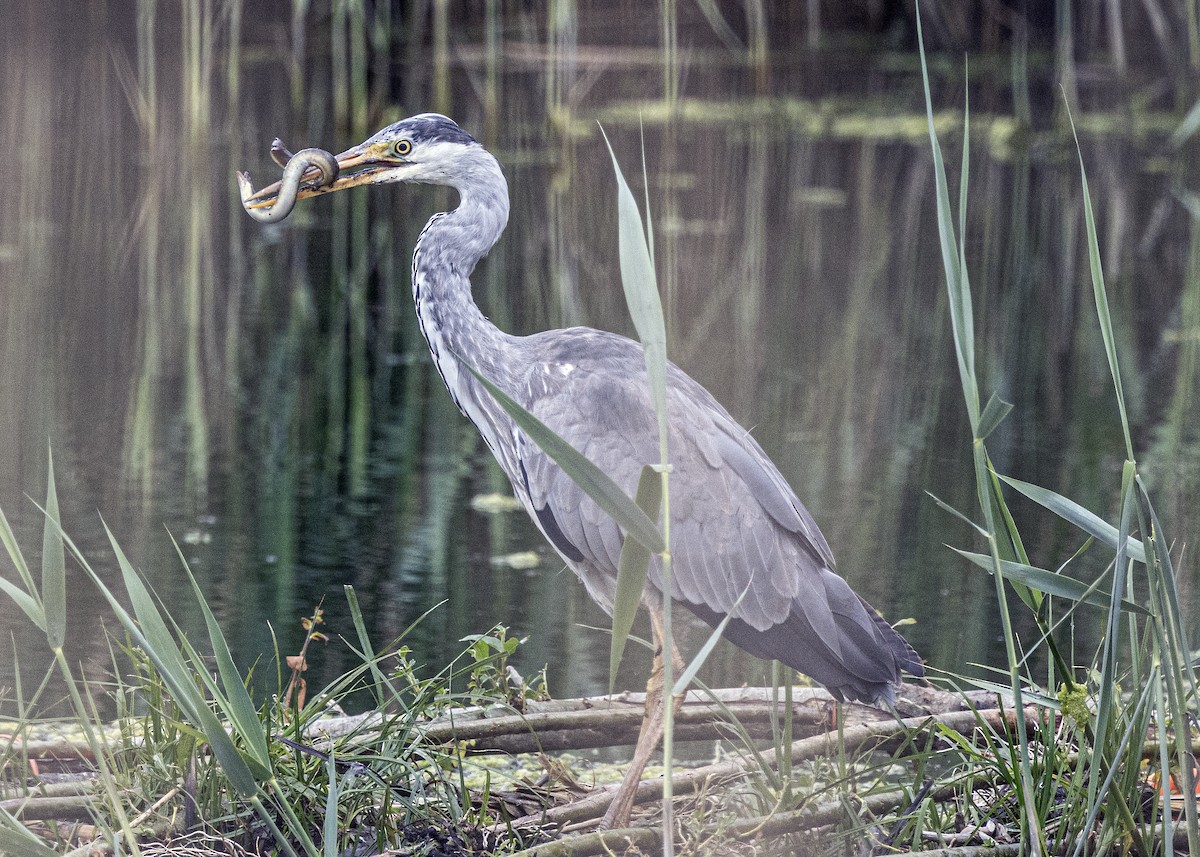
(651, 732)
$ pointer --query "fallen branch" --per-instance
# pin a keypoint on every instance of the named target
(83, 784)
(649, 839)
(74, 808)
(580, 724)
(856, 739)
(753, 707)
(967, 851)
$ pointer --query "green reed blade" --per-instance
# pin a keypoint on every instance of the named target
(689, 672)
(151, 633)
(632, 569)
(942, 504)
(367, 653)
(54, 566)
(993, 414)
(28, 604)
(961, 314)
(963, 329)
(606, 493)
(1072, 512)
(641, 293)
(1101, 296)
(18, 840)
(1050, 582)
(329, 831)
(9, 540)
(238, 706)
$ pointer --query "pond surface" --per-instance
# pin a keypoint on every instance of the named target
(262, 394)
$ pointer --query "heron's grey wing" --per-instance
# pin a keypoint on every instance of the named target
(594, 404)
(741, 541)
(738, 532)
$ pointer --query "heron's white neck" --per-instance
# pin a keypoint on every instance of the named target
(447, 251)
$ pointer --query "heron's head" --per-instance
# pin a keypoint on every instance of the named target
(427, 149)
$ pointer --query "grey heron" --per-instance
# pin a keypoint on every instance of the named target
(737, 527)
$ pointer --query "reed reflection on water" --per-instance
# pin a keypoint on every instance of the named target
(264, 391)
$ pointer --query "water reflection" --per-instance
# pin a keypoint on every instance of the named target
(264, 391)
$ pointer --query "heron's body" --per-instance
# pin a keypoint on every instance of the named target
(736, 525)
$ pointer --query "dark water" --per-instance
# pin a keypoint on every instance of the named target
(263, 394)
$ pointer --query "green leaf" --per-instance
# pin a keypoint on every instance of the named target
(25, 601)
(1072, 512)
(631, 573)
(1100, 295)
(237, 705)
(689, 673)
(18, 558)
(993, 414)
(151, 633)
(1164, 571)
(947, 507)
(1050, 582)
(329, 832)
(1003, 691)
(641, 292)
(368, 649)
(54, 567)
(961, 313)
(1010, 544)
(606, 493)
(18, 841)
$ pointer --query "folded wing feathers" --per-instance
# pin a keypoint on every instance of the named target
(736, 526)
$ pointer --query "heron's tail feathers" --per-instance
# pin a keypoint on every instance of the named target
(860, 659)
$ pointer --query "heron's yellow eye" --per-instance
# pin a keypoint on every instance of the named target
(402, 147)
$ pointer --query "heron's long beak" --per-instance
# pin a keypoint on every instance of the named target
(359, 165)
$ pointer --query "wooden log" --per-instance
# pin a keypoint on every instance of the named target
(861, 738)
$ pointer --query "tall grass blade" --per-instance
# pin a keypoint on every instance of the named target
(606, 493)
(329, 832)
(961, 314)
(632, 569)
(1072, 512)
(29, 606)
(1176, 653)
(368, 650)
(1110, 666)
(1171, 592)
(689, 673)
(645, 307)
(54, 566)
(18, 841)
(641, 291)
(646, 189)
(1051, 583)
(18, 560)
(149, 631)
(236, 702)
(963, 329)
(1012, 536)
(993, 414)
(944, 506)
(1101, 295)
(1102, 785)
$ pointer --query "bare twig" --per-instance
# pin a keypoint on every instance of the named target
(855, 739)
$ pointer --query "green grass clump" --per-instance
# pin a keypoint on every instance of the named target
(192, 747)
(1078, 784)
